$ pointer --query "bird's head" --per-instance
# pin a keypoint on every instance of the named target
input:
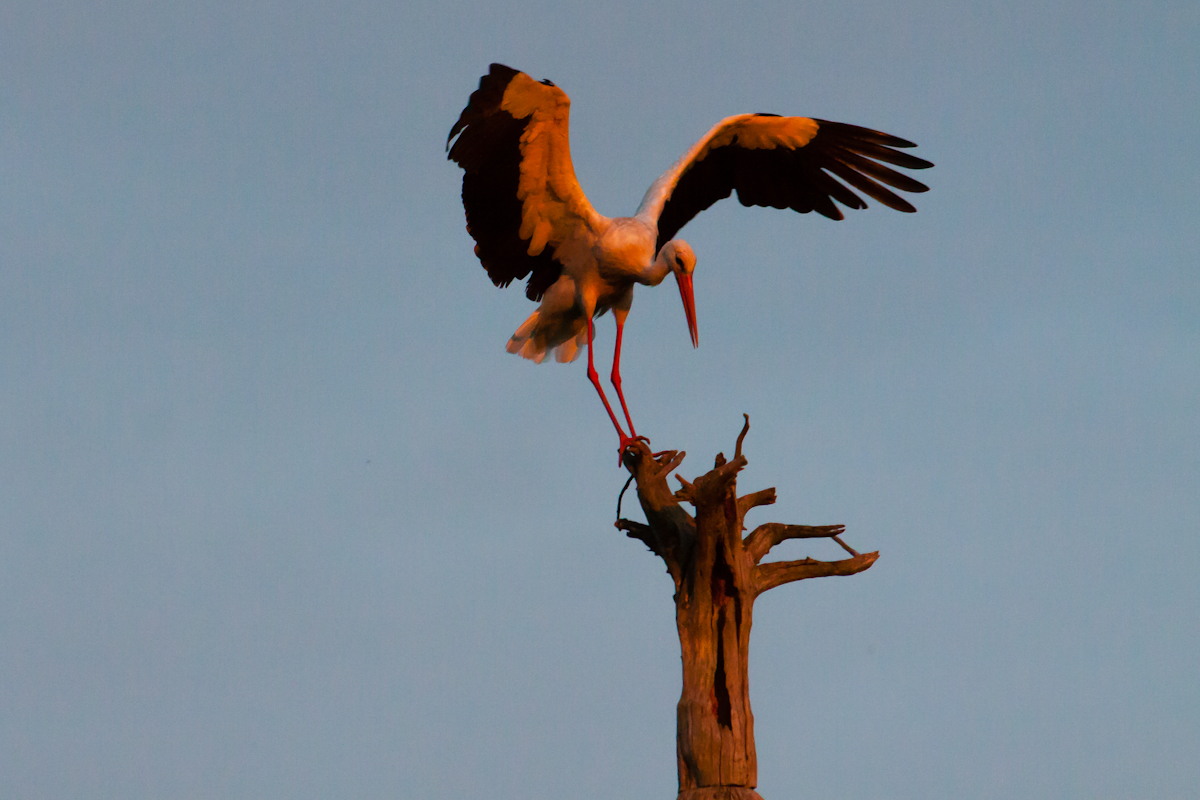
(682, 261)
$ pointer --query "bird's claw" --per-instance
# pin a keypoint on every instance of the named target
(626, 443)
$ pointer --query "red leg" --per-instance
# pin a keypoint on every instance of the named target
(595, 379)
(616, 371)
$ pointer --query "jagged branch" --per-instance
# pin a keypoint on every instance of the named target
(641, 532)
(667, 461)
(764, 537)
(671, 531)
(737, 453)
(713, 485)
(762, 498)
(686, 493)
(777, 573)
(726, 472)
(668, 546)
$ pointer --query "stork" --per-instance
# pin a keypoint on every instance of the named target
(529, 217)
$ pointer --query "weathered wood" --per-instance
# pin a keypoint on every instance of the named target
(717, 577)
(719, 793)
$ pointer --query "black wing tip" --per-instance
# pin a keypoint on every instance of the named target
(502, 71)
(483, 100)
(507, 73)
(864, 134)
(858, 132)
(915, 162)
(454, 131)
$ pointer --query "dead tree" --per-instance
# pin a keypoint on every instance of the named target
(718, 576)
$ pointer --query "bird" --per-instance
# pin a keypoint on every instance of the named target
(530, 218)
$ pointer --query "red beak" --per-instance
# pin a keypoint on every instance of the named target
(689, 304)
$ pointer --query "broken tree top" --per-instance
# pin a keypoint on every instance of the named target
(718, 574)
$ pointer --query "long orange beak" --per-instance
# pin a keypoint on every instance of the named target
(689, 305)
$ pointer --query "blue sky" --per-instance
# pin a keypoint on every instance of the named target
(279, 517)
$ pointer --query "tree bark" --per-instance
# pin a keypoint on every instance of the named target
(717, 577)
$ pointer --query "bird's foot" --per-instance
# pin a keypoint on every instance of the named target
(626, 443)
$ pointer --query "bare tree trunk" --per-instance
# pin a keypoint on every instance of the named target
(717, 577)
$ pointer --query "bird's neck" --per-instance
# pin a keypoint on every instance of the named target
(654, 274)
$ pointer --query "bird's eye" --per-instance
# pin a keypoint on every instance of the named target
(679, 262)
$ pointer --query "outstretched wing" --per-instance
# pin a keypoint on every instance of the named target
(783, 162)
(524, 207)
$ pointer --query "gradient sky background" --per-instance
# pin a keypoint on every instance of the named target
(279, 518)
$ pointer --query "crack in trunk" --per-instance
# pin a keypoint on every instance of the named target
(722, 707)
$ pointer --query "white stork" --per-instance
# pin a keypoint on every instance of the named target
(529, 216)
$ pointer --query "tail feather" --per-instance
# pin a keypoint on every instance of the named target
(535, 340)
(570, 349)
(520, 341)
